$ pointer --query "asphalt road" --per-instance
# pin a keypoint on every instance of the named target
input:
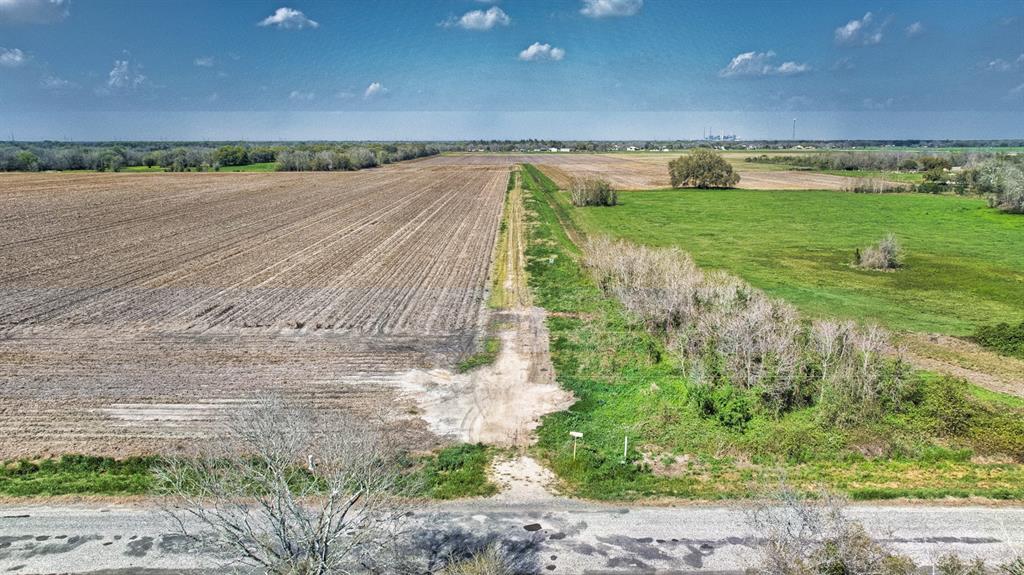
(559, 536)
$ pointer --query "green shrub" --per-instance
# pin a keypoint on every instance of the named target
(1002, 338)
(948, 403)
(702, 168)
(732, 407)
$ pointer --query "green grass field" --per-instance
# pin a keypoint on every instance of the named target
(964, 264)
(627, 384)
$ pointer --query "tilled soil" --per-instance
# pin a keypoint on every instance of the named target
(625, 172)
(135, 308)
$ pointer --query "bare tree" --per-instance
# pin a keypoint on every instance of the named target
(291, 492)
(811, 535)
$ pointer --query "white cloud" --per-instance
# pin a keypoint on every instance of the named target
(538, 51)
(862, 31)
(1000, 65)
(373, 90)
(298, 96)
(480, 19)
(204, 61)
(873, 104)
(289, 18)
(12, 57)
(609, 8)
(56, 84)
(34, 11)
(212, 98)
(761, 64)
(1016, 94)
(124, 76)
(844, 63)
(915, 29)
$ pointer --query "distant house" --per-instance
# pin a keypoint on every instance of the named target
(631, 149)
(564, 149)
(552, 149)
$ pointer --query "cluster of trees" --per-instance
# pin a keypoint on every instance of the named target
(327, 157)
(184, 156)
(883, 161)
(702, 168)
(619, 145)
(746, 351)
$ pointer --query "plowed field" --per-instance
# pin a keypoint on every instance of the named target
(640, 171)
(135, 308)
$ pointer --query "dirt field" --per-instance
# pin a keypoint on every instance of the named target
(641, 171)
(135, 308)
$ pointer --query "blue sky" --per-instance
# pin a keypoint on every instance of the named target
(91, 69)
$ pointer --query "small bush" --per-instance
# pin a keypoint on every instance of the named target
(954, 565)
(886, 255)
(703, 168)
(1003, 182)
(592, 192)
(801, 535)
(870, 186)
(492, 560)
(930, 188)
(1002, 338)
(459, 471)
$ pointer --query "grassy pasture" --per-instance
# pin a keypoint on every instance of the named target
(964, 264)
(627, 384)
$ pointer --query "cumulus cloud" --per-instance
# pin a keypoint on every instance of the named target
(480, 19)
(610, 8)
(124, 76)
(298, 96)
(34, 11)
(863, 31)
(373, 90)
(538, 51)
(289, 19)
(12, 57)
(915, 29)
(761, 64)
(1000, 65)
(204, 61)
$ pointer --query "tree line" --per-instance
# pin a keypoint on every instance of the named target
(186, 156)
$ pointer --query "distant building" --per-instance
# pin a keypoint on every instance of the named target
(631, 149)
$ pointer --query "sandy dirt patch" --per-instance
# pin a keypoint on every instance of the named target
(961, 358)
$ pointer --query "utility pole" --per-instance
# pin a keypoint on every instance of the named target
(794, 129)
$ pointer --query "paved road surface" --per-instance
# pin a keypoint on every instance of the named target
(562, 536)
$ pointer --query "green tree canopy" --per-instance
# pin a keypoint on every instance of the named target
(702, 168)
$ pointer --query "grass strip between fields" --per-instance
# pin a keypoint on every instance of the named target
(951, 443)
(455, 471)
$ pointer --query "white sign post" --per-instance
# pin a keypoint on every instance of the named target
(575, 437)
